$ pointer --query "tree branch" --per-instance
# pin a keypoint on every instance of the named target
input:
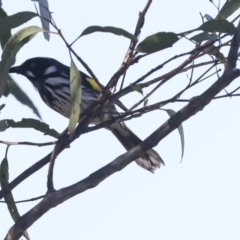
(128, 55)
(28, 143)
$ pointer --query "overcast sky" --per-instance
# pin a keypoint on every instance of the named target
(196, 199)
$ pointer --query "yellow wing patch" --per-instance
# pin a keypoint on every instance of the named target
(94, 84)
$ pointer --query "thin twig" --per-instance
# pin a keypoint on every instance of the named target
(28, 143)
(24, 201)
(59, 32)
(132, 46)
(228, 95)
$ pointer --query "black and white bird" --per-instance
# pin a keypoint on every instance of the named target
(51, 79)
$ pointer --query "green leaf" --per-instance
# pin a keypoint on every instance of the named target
(208, 17)
(3, 125)
(1, 107)
(114, 30)
(171, 112)
(44, 13)
(4, 175)
(7, 89)
(221, 26)
(9, 197)
(29, 123)
(145, 103)
(15, 20)
(76, 95)
(5, 36)
(228, 9)
(137, 88)
(10, 50)
(157, 42)
(12, 208)
(203, 37)
(20, 95)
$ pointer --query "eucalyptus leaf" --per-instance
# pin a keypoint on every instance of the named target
(108, 29)
(20, 95)
(220, 25)
(171, 112)
(15, 43)
(5, 36)
(208, 17)
(228, 9)
(76, 95)
(204, 37)
(9, 22)
(4, 180)
(145, 103)
(7, 89)
(3, 125)
(45, 17)
(157, 42)
(137, 88)
(29, 123)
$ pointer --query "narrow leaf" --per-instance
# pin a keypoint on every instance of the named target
(228, 9)
(21, 96)
(76, 95)
(203, 37)
(137, 88)
(221, 26)
(3, 125)
(114, 30)
(9, 198)
(13, 21)
(171, 112)
(7, 89)
(5, 36)
(1, 107)
(4, 175)
(157, 42)
(12, 208)
(10, 50)
(208, 17)
(145, 103)
(45, 15)
(29, 123)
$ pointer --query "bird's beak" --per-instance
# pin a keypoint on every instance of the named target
(15, 70)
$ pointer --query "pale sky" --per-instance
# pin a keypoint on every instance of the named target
(197, 199)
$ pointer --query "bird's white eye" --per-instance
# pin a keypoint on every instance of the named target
(32, 65)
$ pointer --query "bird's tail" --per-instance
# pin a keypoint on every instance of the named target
(150, 160)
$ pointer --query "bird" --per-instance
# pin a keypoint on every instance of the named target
(51, 78)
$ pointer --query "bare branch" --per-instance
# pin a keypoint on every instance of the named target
(28, 143)
(132, 46)
(24, 201)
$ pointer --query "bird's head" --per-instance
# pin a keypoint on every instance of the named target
(38, 68)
